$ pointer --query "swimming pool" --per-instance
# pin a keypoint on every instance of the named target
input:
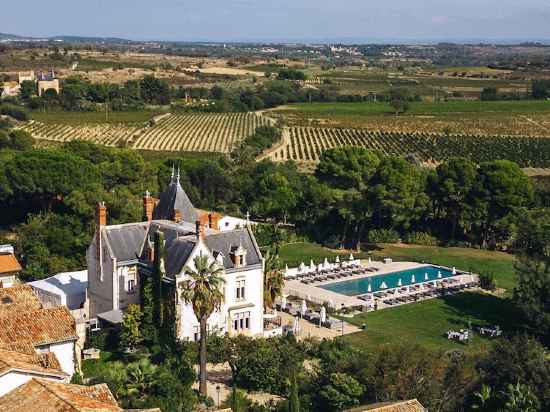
(388, 280)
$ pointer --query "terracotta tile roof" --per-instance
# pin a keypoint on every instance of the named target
(401, 406)
(9, 264)
(21, 347)
(38, 327)
(58, 397)
(18, 299)
(43, 363)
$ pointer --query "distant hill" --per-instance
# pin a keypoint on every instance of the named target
(66, 39)
(6, 36)
(80, 39)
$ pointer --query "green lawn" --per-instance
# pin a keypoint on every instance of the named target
(426, 322)
(293, 254)
(96, 367)
(79, 118)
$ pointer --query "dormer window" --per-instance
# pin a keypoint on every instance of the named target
(219, 258)
(238, 256)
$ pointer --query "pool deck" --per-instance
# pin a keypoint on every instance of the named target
(314, 293)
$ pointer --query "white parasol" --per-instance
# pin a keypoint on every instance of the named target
(304, 307)
(323, 314)
(296, 326)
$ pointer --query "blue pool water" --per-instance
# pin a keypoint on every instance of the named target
(389, 280)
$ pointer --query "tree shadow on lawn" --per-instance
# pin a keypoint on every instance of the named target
(483, 310)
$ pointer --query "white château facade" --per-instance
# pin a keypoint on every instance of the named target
(121, 255)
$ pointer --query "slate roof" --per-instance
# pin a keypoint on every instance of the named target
(9, 264)
(181, 240)
(177, 254)
(43, 363)
(174, 197)
(224, 242)
(48, 396)
(18, 299)
(126, 241)
(38, 327)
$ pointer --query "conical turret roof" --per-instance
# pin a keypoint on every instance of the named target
(175, 198)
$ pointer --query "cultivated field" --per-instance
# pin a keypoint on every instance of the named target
(305, 144)
(173, 132)
(106, 134)
(521, 118)
(200, 132)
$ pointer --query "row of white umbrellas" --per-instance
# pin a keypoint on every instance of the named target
(383, 285)
(325, 265)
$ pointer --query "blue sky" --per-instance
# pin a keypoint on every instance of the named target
(234, 20)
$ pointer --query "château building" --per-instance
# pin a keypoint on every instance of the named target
(120, 257)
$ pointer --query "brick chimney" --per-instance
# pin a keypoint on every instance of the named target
(101, 215)
(214, 221)
(101, 220)
(148, 206)
(199, 230)
(177, 215)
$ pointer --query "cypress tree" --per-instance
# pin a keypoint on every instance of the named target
(294, 398)
(148, 328)
(157, 279)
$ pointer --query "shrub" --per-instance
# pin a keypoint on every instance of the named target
(16, 140)
(263, 138)
(421, 238)
(105, 339)
(487, 281)
(291, 74)
(383, 236)
(17, 113)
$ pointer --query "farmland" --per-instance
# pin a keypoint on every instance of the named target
(87, 118)
(173, 132)
(305, 144)
(106, 134)
(200, 132)
(521, 118)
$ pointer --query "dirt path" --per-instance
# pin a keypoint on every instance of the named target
(536, 123)
(285, 140)
(219, 377)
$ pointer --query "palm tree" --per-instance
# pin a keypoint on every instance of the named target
(203, 291)
(140, 378)
(273, 279)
